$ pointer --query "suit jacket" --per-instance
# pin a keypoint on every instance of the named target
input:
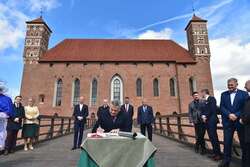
(195, 111)
(210, 110)
(102, 109)
(82, 113)
(246, 119)
(227, 108)
(150, 115)
(108, 123)
(130, 112)
(18, 113)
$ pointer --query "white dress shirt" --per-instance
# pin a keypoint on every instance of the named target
(81, 105)
(232, 96)
(126, 107)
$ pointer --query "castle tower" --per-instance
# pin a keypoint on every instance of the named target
(36, 40)
(197, 38)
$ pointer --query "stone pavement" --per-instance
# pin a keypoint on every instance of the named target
(57, 153)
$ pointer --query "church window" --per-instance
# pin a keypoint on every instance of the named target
(156, 87)
(76, 91)
(58, 93)
(94, 85)
(117, 89)
(192, 85)
(139, 87)
(173, 87)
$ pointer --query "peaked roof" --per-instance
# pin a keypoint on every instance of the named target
(117, 50)
(38, 20)
(195, 19)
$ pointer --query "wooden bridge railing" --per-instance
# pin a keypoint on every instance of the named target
(51, 127)
(178, 127)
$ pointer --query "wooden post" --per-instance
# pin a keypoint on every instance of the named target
(179, 127)
(160, 124)
(168, 126)
(52, 127)
(62, 123)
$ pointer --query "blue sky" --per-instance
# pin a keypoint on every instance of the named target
(228, 22)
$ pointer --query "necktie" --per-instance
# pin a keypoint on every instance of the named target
(127, 107)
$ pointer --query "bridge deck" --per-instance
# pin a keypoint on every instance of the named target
(57, 153)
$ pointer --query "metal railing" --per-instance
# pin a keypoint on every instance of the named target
(178, 128)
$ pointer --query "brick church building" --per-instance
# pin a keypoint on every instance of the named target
(161, 71)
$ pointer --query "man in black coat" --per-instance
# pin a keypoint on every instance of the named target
(80, 114)
(245, 120)
(14, 125)
(194, 111)
(145, 118)
(103, 108)
(128, 109)
(209, 116)
(112, 120)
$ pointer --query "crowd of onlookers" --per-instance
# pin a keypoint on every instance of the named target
(13, 117)
(235, 113)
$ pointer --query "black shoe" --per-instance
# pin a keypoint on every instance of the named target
(73, 148)
(203, 151)
(6, 152)
(223, 164)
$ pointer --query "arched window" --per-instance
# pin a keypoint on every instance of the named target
(58, 93)
(156, 87)
(76, 91)
(192, 85)
(139, 87)
(117, 89)
(94, 92)
(173, 87)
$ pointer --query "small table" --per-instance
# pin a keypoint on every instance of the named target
(117, 151)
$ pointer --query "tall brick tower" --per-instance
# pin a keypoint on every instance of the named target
(198, 46)
(197, 37)
(36, 41)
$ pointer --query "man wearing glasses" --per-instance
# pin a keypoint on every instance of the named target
(112, 120)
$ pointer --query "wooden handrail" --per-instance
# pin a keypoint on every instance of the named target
(172, 126)
(51, 127)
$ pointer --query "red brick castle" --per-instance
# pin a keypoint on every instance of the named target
(162, 71)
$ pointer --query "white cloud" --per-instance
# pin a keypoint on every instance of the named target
(205, 11)
(230, 58)
(37, 5)
(12, 25)
(150, 34)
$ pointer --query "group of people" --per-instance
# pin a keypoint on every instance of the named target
(13, 117)
(112, 117)
(235, 112)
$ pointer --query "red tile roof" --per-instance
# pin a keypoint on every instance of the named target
(195, 19)
(38, 20)
(117, 50)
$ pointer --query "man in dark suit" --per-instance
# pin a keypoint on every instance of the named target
(80, 114)
(231, 106)
(129, 110)
(103, 108)
(209, 116)
(245, 120)
(145, 118)
(14, 125)
(112, 120)
(194, 111)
